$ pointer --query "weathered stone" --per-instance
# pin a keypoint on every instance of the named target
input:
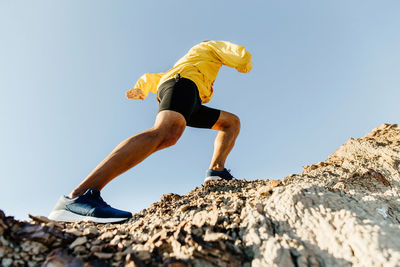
(91, 231)
(33, 248)
(106, 235)
(60, 258)
(74, 231)
(6, 262)
(79, 241)
(79, 249)
(115, 240)
(213, 237)
(39, 219)
(340, 212)
(104, 256)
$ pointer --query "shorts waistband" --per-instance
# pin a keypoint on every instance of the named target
(172, 81)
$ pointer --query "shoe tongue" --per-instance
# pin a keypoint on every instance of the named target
(94, 193)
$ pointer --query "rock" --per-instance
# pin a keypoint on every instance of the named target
(78, 250)
(74, 232)
(213, 237)
(60, 258)
(79, 241)
(115, 240)
(132, 261)
(103, 256)
(39, 219)
(6, 262)
(91, 231)
(203, 217)
(33, 248)
(106, 235)
(259, 207)
(340, 212)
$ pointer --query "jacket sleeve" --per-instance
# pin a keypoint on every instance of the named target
(232, 55)
(148, 82)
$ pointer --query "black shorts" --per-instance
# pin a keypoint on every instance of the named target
(181, 95)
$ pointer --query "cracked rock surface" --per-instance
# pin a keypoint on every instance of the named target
(344, 211)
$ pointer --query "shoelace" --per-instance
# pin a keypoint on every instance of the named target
(102, 202)
(95, 198)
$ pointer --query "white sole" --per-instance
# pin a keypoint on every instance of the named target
(211, 178)
(67, 216)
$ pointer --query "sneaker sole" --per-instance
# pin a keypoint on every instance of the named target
(211, 178)
(214, 178)
(67, 216)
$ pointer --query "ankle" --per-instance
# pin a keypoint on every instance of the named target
(74, 194)
(218, 168)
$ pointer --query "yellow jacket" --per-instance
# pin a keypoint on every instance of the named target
(201, 65)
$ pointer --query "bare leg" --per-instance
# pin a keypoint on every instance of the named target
(166, 131)
(228, 126)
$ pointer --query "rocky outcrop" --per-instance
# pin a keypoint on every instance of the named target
(341, 212)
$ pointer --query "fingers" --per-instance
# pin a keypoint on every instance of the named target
(135, 93)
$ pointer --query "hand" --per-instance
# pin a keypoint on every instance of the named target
(135, 93)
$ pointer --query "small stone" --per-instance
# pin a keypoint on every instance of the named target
(132, 260)
(33, 248)
(260, 207)
(24, 256)
(236, 220)
(265, 191)
(38, 258)
(213, 237)
(6, 262)
(143, 255)
(199, 218)
(106, 235)
(91, 231)
(213, 217)
(79, 241)
(95, 249)
(60, 258)
(79, 249)
(103, 256)
(19, 263)
(73, 231)
(115, 240)
(185, 207)
(39, 219)
(96, 242)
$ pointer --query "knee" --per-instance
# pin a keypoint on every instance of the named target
(236, 122)
(232, 124)
(171, 136)
(169, 140)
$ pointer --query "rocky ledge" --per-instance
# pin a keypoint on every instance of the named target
(344, 211)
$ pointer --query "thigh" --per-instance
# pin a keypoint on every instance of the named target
(169, 119)
(226, 120)
(204, 117)
(179, 96)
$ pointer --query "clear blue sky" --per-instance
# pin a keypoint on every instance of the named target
(324, 71)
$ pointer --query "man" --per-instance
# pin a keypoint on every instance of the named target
(181, 93)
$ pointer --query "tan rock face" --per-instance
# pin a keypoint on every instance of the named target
(341, 212)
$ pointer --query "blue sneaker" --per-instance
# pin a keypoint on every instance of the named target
(214, 175)
(87, 207)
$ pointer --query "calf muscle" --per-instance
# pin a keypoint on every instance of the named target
(166, 131)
